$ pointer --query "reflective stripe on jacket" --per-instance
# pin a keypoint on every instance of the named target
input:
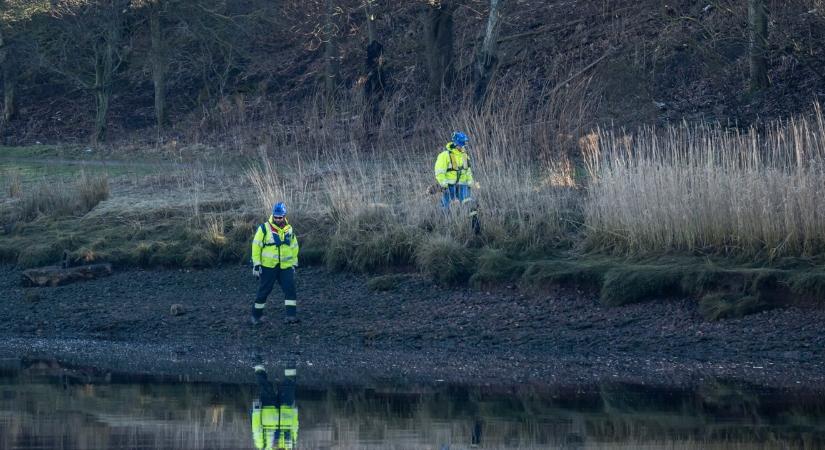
(273, 246)
(453, 167)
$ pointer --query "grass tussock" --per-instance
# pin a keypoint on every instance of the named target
(719, 306)
(446, 260)
(494, 267)
(809, 285)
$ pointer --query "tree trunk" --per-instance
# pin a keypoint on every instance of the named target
(101, 111)
(487, 57)
(106, 62)
(758, 24)
(9, 91)
(331, 52)
(102, 89)
(158, 59)
(9, 80)
(438, 44)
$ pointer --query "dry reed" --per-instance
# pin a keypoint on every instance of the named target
(385, 201)
(708, 189)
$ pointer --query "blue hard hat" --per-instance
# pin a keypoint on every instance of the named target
(279, 209)
(460, 139)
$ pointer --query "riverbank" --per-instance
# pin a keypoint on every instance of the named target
(413, 332)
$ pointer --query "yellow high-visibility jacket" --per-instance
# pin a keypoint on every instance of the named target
(453, 167)
(275, 427)
(273, 246)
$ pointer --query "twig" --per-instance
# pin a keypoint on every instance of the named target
(581, 72)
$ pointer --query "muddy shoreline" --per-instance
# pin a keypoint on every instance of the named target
(415, 333)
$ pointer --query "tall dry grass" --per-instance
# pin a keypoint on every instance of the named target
(708, 189)
(62, 198)
(378, 201)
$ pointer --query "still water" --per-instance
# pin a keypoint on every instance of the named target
(45, 406)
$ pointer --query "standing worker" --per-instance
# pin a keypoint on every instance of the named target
(453, 172)
(274, 258)
(454, 176)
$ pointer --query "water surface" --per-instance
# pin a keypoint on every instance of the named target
(45, 406)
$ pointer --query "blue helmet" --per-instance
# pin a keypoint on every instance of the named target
(279, 209)
(460, 139)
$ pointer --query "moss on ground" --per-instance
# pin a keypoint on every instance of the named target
(632, 284)
(386, 282)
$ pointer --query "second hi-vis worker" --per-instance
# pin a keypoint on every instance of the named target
(453, 172)
(274, 258)
(274, 414)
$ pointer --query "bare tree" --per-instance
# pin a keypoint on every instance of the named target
(438, 44)
(84, 42)
(487, 57)
(758, 27)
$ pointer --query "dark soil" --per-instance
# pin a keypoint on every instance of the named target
(416, 332)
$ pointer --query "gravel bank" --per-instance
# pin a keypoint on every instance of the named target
(417, 332)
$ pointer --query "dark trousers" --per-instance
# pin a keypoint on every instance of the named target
(459, 192)
(286, 279)
(269, 397)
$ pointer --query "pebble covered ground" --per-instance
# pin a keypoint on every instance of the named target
(417, 332)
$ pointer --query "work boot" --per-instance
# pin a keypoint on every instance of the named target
(257, 320)
(291, 319)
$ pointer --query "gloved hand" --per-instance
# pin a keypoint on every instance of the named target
(256, 271)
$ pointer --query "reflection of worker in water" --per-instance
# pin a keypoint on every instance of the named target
(274, 415)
